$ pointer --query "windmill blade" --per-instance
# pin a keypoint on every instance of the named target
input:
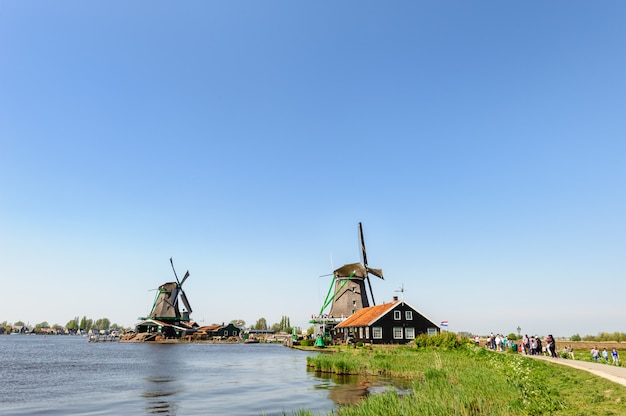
(363, 245)
(369, 283)
(184, 278)
(185, 301)
(375, 272)
(174, 297)
(175, 275)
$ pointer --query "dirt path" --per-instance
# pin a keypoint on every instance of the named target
(610, 372)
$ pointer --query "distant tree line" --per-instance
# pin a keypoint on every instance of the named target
(74, 325)
(78, 324)
(602, 336)
(283, 326)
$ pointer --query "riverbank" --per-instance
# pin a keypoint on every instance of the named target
(473, 381)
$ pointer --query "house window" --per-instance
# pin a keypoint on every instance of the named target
(432, 331)
(397, 332)
(367, 332)
(408, 315)
(397, 315)
(377, 332)
(354, 303)
(409, 333)
(225, 333)
(361, 333)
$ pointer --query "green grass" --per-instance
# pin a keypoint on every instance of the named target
(473, 381)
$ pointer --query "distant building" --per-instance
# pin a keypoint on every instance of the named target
(390, 323)
(223, 331)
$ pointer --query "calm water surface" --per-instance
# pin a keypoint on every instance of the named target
(66, 375)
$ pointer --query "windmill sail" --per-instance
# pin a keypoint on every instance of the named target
(185, 301)
(350, 293)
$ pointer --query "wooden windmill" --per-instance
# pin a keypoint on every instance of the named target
(350, 293)
(165, 306)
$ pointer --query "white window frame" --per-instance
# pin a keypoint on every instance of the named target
(397, 332)
(408, 315)
(367, 332)
(377, 332)
(397, 315)
(361, 332)
(409, 333)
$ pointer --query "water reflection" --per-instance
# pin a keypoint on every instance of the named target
(351, 389)
(162, 382)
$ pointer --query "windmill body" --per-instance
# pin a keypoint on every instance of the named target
(166, 305)
(349, 291)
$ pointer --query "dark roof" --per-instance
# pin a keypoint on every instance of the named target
(357, 270)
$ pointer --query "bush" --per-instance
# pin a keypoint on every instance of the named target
(448, 340)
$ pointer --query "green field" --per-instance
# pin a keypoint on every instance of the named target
(472, 381)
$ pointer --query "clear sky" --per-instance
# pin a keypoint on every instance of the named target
(482, 144)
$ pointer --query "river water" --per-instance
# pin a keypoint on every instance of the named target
(66, 375)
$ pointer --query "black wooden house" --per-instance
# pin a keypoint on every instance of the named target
(390, 323)
(221, 331)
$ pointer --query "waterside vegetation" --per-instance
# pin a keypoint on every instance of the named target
(453, 377)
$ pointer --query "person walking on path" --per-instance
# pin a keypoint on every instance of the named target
(615, 356)
(551, 346)
(526, 344)
(605, 355)
(595, 354)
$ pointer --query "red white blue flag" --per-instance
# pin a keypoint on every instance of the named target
(444, 323)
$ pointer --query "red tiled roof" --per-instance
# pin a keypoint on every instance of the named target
(209, 327)
(367, 315)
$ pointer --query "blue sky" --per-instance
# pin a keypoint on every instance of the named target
(482, 145)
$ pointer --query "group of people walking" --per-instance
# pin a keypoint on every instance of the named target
(595, 355)
(533, 346)
(497, 342)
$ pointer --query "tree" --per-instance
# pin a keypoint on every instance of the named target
(102, 324)
(73, 324)
(43, 324)
(260, 324)
(575, 337)
(283, 326)
(86, 323)
(238, 322)
(19, 323)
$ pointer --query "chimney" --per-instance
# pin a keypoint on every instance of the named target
(395, 298)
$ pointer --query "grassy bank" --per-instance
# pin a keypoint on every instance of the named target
(473, 381)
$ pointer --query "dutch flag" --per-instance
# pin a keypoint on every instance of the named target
(444, 323)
